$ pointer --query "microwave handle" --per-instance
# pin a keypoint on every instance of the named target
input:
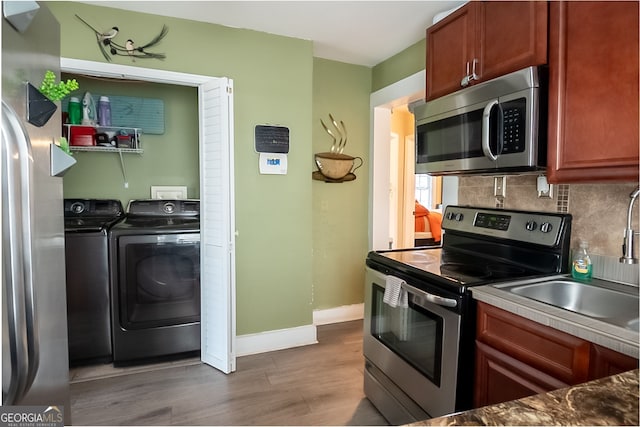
(486, 114)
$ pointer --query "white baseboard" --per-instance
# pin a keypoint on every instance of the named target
(295, 337)
(275, 340)
(344, 313)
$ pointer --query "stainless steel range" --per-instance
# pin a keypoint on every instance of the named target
(419, 314)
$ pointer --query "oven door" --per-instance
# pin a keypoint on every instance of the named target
(411, 354)
(158, 280)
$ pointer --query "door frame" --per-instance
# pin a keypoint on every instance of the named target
(403, 92)
(120, 72)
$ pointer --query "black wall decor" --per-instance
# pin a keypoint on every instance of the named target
(272, 139)
(39, 107)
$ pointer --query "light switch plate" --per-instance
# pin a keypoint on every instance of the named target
(168, 192)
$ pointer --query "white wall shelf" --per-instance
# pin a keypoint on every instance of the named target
(93, 148)
(74, 132)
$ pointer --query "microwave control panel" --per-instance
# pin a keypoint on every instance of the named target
(513, 126)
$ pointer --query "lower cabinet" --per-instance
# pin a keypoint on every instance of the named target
(605, 362)
(516, 357)
(500, 378)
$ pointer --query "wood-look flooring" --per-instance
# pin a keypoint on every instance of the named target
(319, 384)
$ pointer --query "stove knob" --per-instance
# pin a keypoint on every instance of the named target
(546, 227)
(459, 217)
(531, 225)
(450, 216)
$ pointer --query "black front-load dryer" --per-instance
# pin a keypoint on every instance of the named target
(155, 280)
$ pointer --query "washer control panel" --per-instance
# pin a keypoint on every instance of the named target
(160, 207)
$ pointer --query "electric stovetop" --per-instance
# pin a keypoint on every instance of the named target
(464, 269)
(481, 246)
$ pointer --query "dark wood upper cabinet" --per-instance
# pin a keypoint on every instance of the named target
(450, 47)
(593, 92)
(483, 40)
(513, 35)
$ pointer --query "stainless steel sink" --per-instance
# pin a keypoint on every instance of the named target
(611, 302)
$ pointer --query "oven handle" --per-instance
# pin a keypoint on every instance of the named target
(434, 299)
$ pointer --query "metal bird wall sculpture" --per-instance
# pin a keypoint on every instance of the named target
(108, 46)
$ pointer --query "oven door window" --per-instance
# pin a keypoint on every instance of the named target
(159, 281)
(413, 333)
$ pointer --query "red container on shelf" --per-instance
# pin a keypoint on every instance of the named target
(82, 136)
(124, 141)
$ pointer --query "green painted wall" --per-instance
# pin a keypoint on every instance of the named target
(340, 209)
(403, 64)
(272, 84)
(168, 159)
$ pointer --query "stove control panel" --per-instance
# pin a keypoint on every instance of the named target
(530, 227)
(493, 221)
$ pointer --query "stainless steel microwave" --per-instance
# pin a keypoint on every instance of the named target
(495, 127)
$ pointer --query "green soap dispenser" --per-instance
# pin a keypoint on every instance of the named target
(581, 266)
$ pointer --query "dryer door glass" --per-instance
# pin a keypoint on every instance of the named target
(160, 281)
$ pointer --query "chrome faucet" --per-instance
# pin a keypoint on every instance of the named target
(627, 246)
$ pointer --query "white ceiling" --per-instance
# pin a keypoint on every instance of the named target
(356, 32)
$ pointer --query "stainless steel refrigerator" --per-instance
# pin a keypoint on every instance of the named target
(35, 369)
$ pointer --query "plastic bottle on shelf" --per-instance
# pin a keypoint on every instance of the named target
(581, 266)
(104, 111)
(75, 111)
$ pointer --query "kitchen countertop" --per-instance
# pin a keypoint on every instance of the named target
(596, 331)
(607, 401)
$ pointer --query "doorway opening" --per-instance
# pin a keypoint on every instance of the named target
(394, 187)
(414, 200)
(217, 217)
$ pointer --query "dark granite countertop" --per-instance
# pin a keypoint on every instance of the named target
(608, 401)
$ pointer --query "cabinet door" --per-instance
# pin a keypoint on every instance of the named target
(449, 49)
(512, 35)
(605, 362)
(500, 378)
(560, 355)
(593, 92)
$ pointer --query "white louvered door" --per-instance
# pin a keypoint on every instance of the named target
(217, 225)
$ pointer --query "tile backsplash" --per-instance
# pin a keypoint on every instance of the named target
(599, 210)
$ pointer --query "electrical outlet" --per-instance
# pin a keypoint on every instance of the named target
(168, 192)
(500, 186)
(545, 190)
